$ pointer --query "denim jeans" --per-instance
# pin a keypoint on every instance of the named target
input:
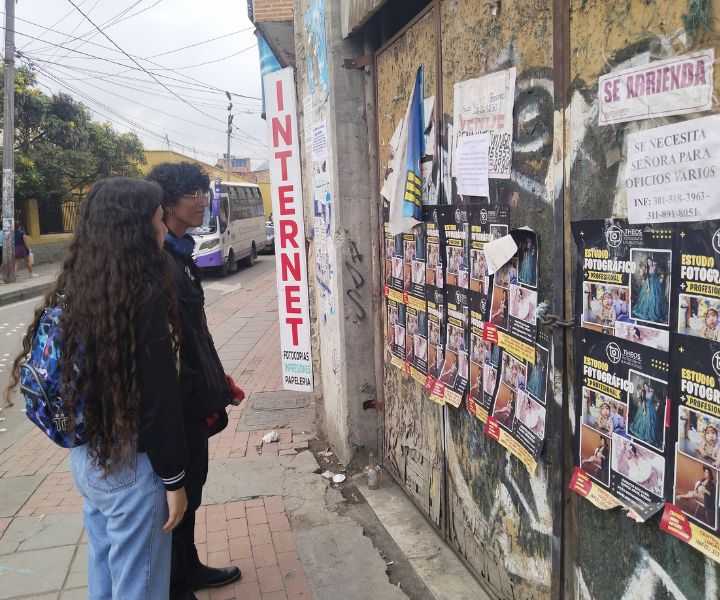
(128, 553)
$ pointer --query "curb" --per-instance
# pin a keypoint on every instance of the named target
(24, 294)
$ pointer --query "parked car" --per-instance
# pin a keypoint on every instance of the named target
(270, 233)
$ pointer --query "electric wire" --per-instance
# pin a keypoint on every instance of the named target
(109, 39)
(138, 129)
(248, 140)
(132, 123)
(187, 79)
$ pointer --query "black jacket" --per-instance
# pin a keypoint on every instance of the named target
(203, 387)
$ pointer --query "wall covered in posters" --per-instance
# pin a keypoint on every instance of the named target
(500, 518)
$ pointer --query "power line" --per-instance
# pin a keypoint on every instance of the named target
(132, 100)
(132, 123)
(199, 43)
(249, 139)
(187, 79)
(209, 62)
(118, 18)
(109, 39)
(60, 20)
(200, 101)
(55, 51)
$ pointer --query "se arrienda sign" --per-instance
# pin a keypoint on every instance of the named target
(290, 255)
(675, 86)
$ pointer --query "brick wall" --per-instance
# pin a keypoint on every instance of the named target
(272, 10)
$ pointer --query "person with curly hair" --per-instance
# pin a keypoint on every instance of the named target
(119, 323)
(204, 389)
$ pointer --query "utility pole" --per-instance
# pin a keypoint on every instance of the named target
(8, 179)
(229, 131)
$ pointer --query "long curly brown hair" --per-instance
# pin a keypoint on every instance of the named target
(114, 265)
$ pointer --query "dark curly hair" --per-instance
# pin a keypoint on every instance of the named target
(114, 265)
(178, 179)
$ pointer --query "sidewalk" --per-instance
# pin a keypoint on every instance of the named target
(266, 508)
(28, 287)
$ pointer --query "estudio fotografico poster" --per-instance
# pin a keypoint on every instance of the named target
(518, 410)
(624, 280)
(512, 323)
(622, 447)
(434, 284)
(416, 357)
(452, 381)
(486, 223)
(691, 513)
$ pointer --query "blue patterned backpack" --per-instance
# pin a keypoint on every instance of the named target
(40, 378)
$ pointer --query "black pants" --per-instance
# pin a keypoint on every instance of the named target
(184, 553)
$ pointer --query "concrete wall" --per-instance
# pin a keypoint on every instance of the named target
(337, 191)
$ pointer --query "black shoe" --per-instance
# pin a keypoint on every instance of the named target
(203, 576)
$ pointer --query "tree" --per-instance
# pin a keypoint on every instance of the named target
(59, 150)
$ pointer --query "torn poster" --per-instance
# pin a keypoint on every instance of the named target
(485, 105)
(403, 185)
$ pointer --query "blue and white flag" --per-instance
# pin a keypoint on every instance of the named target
(403, 185)
(412, 200)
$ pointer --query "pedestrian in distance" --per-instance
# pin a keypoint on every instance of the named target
(205, 390)
(117, 355)
(22, 250)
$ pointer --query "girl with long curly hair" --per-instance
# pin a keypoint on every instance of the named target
(119, 323)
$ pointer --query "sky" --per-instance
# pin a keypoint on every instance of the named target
(191, 110)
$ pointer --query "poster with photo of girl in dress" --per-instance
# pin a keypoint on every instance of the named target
(698, 273)
(394, 266)
(622, 446)
(482, 218)
(512, 322)
(517, 412)
(692, 512)
(435, 297)
(452, 382)
(626, 276)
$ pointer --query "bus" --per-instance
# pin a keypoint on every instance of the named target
(233, 230)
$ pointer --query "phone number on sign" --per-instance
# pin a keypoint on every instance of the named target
(670, 214)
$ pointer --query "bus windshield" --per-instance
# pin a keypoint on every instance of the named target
(209, 224)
